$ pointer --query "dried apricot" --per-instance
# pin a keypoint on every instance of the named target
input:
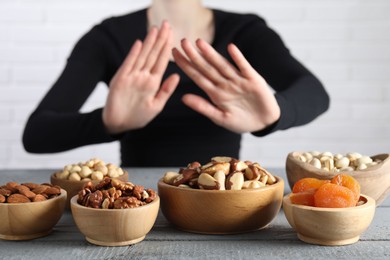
(348, 182)
(308, 184)
(331, 195)
(303, 197)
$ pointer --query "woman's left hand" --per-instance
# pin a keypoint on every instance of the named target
(241, 100)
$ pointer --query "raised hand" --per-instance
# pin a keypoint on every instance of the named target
(241, 100)
(136, 94)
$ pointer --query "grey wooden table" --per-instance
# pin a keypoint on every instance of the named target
(276, 241)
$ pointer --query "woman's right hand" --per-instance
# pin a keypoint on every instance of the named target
(135, 96)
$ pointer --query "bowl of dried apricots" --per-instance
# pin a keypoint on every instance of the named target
(329, 212)
(372, 172)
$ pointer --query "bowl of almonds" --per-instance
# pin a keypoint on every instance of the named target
(372, 172)
(29, 210)
(73, 177)
(223, 196)
(114, 213)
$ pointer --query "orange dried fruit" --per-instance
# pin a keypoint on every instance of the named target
(349, 182)
(331, 195)
(303, 198)
(308, 184)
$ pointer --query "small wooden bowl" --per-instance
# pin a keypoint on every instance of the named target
(374, 181)
(73, 187)
(115, 227)
(220, 212)
(26, 221)
(329, 226)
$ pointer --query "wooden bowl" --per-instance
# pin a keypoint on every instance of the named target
(25, 221)
(329, 226)
(220, 211)
(115, 227)
(374, 181)
(73, 187)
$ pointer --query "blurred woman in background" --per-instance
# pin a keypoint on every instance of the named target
(185, 82)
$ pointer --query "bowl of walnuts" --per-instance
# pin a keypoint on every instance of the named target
(114, 213)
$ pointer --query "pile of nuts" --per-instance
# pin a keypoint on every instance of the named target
(93, 169)
(338, 162)
(13, 192)
(221, 173)
(114, 194)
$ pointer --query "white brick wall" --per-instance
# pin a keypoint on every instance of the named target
(346, 43)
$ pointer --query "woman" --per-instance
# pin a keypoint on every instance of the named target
(186, 92)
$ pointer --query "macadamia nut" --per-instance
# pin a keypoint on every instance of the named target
(93, 169)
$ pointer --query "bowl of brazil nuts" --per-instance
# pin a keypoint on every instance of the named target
(73, 177)
(114, 213)
(29, 210)
(372, 172)
(223, 196)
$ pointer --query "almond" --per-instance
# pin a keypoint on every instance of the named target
(17, 198)
(39, 197)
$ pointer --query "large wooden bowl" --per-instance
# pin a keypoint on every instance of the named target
(374, 181)
(220, 211)
(25, 221)
(73, 187)
(115, 227)
(329, 226)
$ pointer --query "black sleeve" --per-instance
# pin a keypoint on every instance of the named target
(300, 95)
(56, 124)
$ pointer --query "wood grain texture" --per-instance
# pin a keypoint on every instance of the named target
(277, 241)
(115, 227)
(25, 221)
(329, 226)
(221, 211)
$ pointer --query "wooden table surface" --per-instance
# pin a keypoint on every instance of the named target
(276, 241)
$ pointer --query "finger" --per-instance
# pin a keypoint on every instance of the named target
(167, 88)
(162, 59)
(204, 107)
(161, 48)
(239, 59)
(131, 57)
(199, 63)
(147, 46)
(221, 64)
(199, 79)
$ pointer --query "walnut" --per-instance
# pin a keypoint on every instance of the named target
(114, 194)
(127, 202)
(106, 182)
(95, 199)
(120, 185)
(152, 195)
(137, 192)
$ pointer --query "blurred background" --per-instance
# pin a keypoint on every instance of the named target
(345, 43)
